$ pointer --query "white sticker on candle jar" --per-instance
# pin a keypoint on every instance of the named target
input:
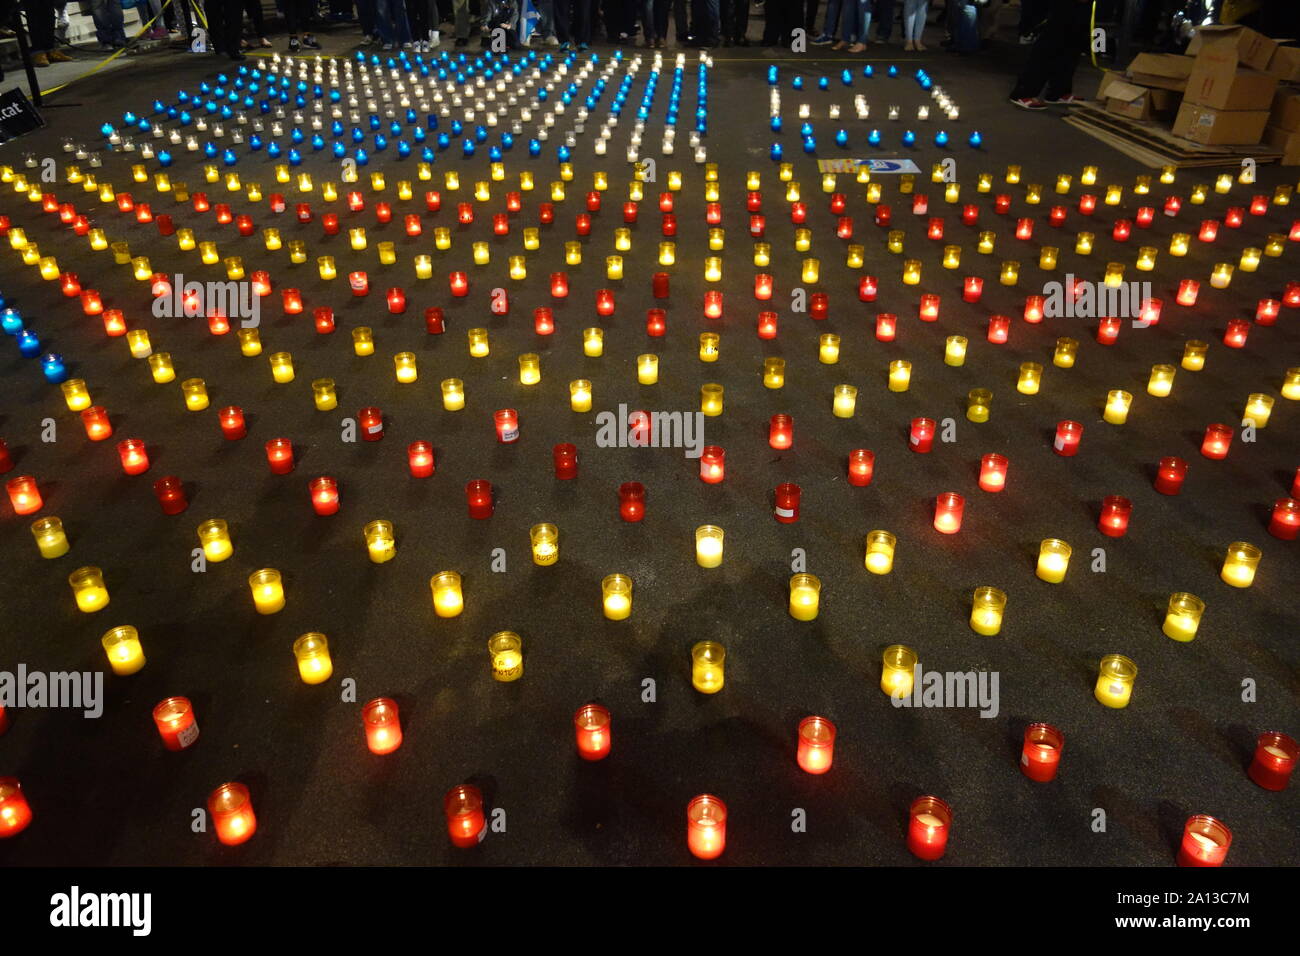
(784, 512)
(510, 435)
(915, 439)
(1059, 443)
(188, 735)
(373, 429)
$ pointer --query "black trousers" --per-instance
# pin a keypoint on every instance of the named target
(809, 18)
(782, 16)
(1055, 54)
(680, 20)
(40, 24)
(223, 17)
(577, 21)
(735, 18)
(417, 14)
(254, 10)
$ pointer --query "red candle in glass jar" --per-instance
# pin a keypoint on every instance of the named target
(23, 493)
(819, 305)
(433, 200)
(1285, 521)
(221, 212)
(323, 319)
(886, 326)
(839, 202)
(656, 322)
(798, 213)
(862, 467)
(1217, 440)
(459, 284)
(324, 495)
(70, 284)
(1068, 436)
(844, 227)
(713, 464)
(98, 427)
(1291, 295)
(665, 202)
(868, 287)
(1234, 216)
(329, 223)
(114, 323)
(546, 213)
(414, 226)
(631, 501)
(143, 213)
(1056, 216)
(786, 509)
(1025, 227)
(218, 324)
(762, 286)
(604, 302)
(948, 510)
(15, 813)
(753, 200)
(582, 224)
(433, 322)
(921, 438)
(1188, 290)
(279, 456)
(629, 212)
(972, 288)
(816, 750)
(1234, 336)
(174, 718)
(929, 821)
(543, 320)
(1151, 309)
(478, 498)
(1121, 231)
(1170, 474)
(757, 226)
(419, 455)
(999, 329)
(1144, 216)
(993, 472)
(713, 304)
(920, 205)
(171, 495)
(1087, 204)
(1172, 205)
(1209, 230)
(134, 456)
(884, 215)
(91, 302)
(81, 225)
(659, 285)
(1275, 759)
(706, 827)
(243, 223)
(500, 224)
(201, 204)
(934, 229)
(929, 310)
(371, 421)
(668, 225)
(383, 725)
(591, 724)
(1041, 756)
(356, 202)
(970, 214)
(1115, 513)
(396, 301)
(291, 299)
(304, 212)
(231, 810)
(565, 459)
(507, 425)
(1266, 312)
(1108, 331)
(780, 432)
(1205, 842)
(1034, 309)
(767, 325)
(261, 282)
(464, 213)
(359, 282)
(1258, 205)
(1001, 204)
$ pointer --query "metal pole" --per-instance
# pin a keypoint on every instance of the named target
(26, 53)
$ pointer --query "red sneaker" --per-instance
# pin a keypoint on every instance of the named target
(1029, 103)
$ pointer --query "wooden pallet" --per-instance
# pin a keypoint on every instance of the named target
(1154, 145)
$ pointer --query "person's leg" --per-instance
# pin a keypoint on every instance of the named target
(417, 15)
(1074, 37)
(884, 19)
(581, 26)
(1047, 50)
(830, 24)
(809, 18)
(850, 24)
(740, 23)
(461, 12)
(560, 10)
(661, 8)
(366, 17)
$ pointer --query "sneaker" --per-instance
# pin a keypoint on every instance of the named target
(1027, 39)
(584, 46)
(294, 45)
(1069, 99)
(552, 40)
(58, 56)
(566, 45)
(821, 40)
(310, 42)
(1029, 103)
(40, 59)
(856, 48)
(838, 45)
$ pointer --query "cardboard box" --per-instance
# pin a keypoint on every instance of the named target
(1167, 71)
(1138, 102)
(1219, 84)
(1287, 140)
(1285, 64)
(1248, 47)
(1286, 109)
(1212, 127)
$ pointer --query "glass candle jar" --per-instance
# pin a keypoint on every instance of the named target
(565, 459)
(845, 401)
(478, 498)
(268, 590)
(1183, 616)
(75, 394)
(383, 725)
(176, 723)
(948, 509)
(545, 541)
(122, 647)
(214, 538)
(1205, 842)
(381, 545)
(88, 589)
(195, 391)
(647, 369)
(1115, 677)
(708, 660)
(1031, 378)
(993, 472)
(921, 437)
(51, 539)
(1194, 353)
(133, 456)
(1284, 522)
(311, 651)
(1170, 474)
(987, 609)
(170, 494)
(1258, 409)
(591, 726)
(1274, 761)
(97, 424)
(773, 372)
(706, 827)
(1040, 757)
(1068, 436)
(1117, 407)
(1116, 511)
(324, 495)
(231, 810)
(466, 822)
(828, 350)
(1161, 382)
(929, 824)
(1053, 560)
(507, 654)
(978, 401)
(708, 546)
(631, 501)
(1240, 564)
(448, 598)
(616, 596)
(1218, 438)
(898, 666)
(24, 495)
(805, 597)
(816, 745)
(507, 425)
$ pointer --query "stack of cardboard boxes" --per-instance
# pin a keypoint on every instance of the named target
(1229, 89)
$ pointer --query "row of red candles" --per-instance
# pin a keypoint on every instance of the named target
(1205, 841)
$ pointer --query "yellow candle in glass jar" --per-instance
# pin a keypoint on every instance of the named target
(479, 347)
(1258, 409)
(897, 674)
(1053, 560)
(1291, 384)
(954, 352)
(1083, 243)
(506, 651)
(1031, 378)
(387, 253)
(441, 238)
(1183, 617)
(977, 405)
(854, 256)
(1117, 406)
(614, 269)
(1249, 261)
(363, 341)
(580, 395)
(214, 538)
(122, 646)
(616, 596)
(482, 253)
(900, 375)
(1063, 183)
(250, 344)
(805, 596)
(297, 251)
(381, 544)
(1067, 350)
(208, 253)
(984, 183)
(709, 350)
(532, 239)
(792, 191)
(195, 391)
(784, 172)
(75, 394)
(622, 239)
(593, 342)
(845, 401)
(828, 349)
(1240, 564)
(530, 368)
(811, 269)
(1047, 258)
(880, 547)
(144, 271)
(268, 590)
(404, 367)
(1161, 382)
(762, 254)
(1033, 194)
(51, 539)
(281, 367)
(453, 394)
(773, 372)
(1010, 272)
(647, 369)
(708, 546)
(1275, 245)
(667, 253)
(137, 341)
(987, 609)
(802, 241)
(312, 653)
(894, 240)
(951, 257)
(423, 266)
(1221, 276)
(545, 541)
(573, 253)
(1146, 260)
(987, 239)
(88, 589)
(911, 271)
(448, 599)
(711, 395)
(326, 267)
(708, 659)
(1115, 678)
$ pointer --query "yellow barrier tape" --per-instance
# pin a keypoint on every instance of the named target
(1092, 28)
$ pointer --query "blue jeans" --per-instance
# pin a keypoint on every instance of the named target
(706, 20)
(107, 15)
(390, 21)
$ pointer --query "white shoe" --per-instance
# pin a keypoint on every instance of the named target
(435, 38)
(552, 40)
